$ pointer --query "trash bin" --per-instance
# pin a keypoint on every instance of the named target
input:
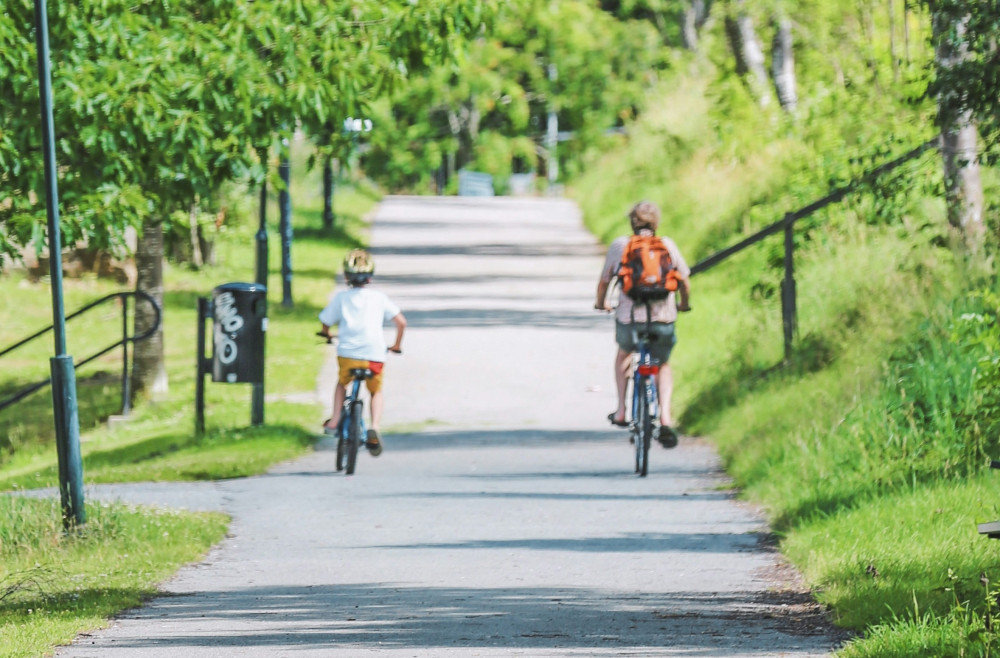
(239, 322)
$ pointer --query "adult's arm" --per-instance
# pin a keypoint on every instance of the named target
(601, 303)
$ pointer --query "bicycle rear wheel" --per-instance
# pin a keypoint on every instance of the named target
(354, 432)
(644, 433)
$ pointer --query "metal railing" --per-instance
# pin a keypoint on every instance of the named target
(787, 224)
(125, 340)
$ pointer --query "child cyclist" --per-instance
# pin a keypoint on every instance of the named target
(359, 313)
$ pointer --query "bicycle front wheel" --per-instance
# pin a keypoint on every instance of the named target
(354, 432)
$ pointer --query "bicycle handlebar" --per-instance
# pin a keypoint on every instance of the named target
(329, 341)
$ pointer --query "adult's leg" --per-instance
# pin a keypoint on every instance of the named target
(623, 363)
(665, 390)
(339, 394)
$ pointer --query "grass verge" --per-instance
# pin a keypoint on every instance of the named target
(867, 448)
(54, 585)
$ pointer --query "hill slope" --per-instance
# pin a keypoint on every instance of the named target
(868, 445)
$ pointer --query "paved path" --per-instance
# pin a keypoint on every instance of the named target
(503, 518)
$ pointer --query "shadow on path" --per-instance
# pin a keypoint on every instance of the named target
(398, 616)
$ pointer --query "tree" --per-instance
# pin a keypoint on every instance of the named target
(167, 102)
(489, 110)
(967, 87)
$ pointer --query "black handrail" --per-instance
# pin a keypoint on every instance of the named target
(126, 393)
(787, 224)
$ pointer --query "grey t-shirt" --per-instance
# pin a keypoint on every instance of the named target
(662, 311)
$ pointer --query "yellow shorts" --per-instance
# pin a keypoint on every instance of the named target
(374, 383)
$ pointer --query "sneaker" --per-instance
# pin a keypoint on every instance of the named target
(329, 431)
(667, 437)
(373, 443)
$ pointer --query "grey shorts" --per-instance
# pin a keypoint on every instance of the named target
(664, 339)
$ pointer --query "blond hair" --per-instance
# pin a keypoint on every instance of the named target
(644, 215)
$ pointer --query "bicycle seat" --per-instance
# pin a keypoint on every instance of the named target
(361, 373)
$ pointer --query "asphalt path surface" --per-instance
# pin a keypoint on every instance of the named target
(504, 517)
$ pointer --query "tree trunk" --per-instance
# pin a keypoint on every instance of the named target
(328, 215)
(149, 373)
(783, 65)
(196, 257)
(689, 31)
(748, 51)
(694, 16)
(959, 137)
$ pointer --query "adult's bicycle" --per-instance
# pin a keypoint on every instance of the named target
(645, 397)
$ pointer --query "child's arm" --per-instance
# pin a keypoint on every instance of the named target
(325, 331)
(400, 321)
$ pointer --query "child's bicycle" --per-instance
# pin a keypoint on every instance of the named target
(351, 429)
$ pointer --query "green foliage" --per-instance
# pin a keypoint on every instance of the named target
(483, 110)
(169, 101)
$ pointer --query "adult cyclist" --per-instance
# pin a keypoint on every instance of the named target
(644, 219)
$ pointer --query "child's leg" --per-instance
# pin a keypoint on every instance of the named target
(378, 400)
(339, 394)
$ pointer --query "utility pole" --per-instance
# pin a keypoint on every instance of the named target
(64, 402)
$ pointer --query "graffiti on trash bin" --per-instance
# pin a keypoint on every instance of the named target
(227, 323)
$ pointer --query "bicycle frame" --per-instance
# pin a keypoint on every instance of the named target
(644, 371)
(352, 396)
(351, 429)
(645, 397)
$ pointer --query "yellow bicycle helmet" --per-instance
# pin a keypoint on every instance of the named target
(358, 267)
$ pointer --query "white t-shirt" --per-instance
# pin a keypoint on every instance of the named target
(358, 314)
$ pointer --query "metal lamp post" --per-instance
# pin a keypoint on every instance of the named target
(64, 403)
(354, 128)
(285, 224)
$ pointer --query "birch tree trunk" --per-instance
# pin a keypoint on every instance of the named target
(748, 52)
(692, 20)
(783, 65)
(959, 137)
(196, 256)
(149, 373)
(689, 32)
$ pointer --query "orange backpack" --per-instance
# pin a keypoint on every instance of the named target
(647, 273)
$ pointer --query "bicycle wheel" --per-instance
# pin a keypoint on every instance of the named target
(354, 432)
(342, 440)
(649, 407)
(644, 433)
(341, 451)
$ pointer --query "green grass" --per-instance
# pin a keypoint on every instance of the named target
(54, 585)
(867, 447)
